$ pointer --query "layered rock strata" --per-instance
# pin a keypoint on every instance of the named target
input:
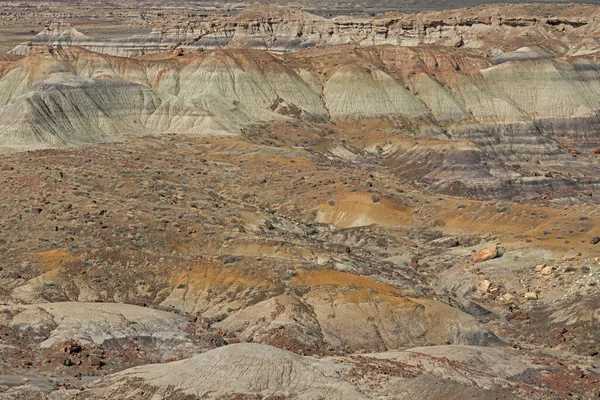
(559, 30)
(524, 125)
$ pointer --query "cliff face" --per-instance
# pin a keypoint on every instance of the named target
(561, 30)
(62, 35)
(526, 126)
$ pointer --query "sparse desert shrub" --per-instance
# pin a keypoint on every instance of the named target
(231, 260)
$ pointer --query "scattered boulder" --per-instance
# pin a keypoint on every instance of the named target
(176, 52)
(487, 254)
(547, 270)
(531, 296)
(539, 267)
(95, 362)
(484, 285)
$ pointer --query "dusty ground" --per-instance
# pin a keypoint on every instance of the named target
(153, 220)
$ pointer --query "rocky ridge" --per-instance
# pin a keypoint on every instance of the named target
(251, 369)
(525, 125)
(564, 30)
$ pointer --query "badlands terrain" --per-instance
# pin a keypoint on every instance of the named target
(274, 204)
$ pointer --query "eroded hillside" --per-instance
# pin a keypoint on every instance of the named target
(350, 221)
(516, 130)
